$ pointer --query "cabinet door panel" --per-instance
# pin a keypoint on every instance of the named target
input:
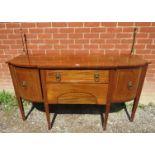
(127, 81)
(28, 82)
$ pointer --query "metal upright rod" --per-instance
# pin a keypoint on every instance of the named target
(22, 40)
(24, 43)
(25, 40)
(133, 42)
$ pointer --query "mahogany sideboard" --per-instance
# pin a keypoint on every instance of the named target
(70, 78)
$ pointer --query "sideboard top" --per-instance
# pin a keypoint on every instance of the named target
(75, 61)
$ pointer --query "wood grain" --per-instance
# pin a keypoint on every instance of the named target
(112, 76)
(28, 83)
(62, 92)
(15, 84)
(77, 98)
(69, 60)
(69, 78)
(78, 76)
(138, 93)
(122, 91)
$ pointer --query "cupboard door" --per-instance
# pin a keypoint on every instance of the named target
(127, 81)
(28, 83)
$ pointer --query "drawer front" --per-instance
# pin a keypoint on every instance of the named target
(28, 83)
(77, 93)
(77, 76)
(127, 81)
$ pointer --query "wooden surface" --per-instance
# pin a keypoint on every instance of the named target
(138, 93)
(78, 79)
(69, 60)
(60, 92)
(78, 76)
(15, 83)
(112, 76)
(28, 83)
(126, 84)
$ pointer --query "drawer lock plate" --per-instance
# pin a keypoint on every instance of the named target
(97, 77)
(58, 76)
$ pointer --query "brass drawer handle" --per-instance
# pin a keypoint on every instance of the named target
(97, 77)
(24, 84)
(58, 76)
(130, 85)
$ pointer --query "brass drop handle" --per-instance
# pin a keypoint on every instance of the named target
(58, 76)
(97, 77)
(130, 85)
(24, 84)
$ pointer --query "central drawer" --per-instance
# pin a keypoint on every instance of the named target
(77, 93)
(76, 86)
(77, 76)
